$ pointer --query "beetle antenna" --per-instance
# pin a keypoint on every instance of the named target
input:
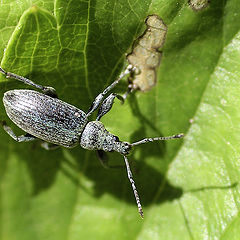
(146, 140)
(130, 177)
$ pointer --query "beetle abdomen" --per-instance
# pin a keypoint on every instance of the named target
(44, 117)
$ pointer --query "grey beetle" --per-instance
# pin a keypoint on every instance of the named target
(57, 123)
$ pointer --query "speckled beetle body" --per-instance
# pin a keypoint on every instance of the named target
(57, 123)
(45, 117)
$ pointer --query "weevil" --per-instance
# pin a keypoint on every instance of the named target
(57, 123)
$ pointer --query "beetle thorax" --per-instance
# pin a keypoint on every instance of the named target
(96, 137)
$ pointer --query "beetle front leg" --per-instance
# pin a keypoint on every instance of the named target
(47, 90)
(130, 90)
(23, 138)
(107, 104)
(96, 103)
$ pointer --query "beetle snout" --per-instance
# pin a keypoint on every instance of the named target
(126, 148)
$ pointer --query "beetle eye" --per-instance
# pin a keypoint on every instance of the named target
(116, 138)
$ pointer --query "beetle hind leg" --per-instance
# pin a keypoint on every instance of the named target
(23, 138)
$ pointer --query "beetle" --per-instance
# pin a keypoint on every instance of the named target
(57, 123)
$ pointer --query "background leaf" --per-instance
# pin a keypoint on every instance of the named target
(189, 189)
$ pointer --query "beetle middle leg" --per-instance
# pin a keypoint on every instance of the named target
(49, 146)
(23, 138)
(47, 90)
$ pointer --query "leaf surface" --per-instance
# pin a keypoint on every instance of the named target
(189, 189)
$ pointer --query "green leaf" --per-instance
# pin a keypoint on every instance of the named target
(190, 188)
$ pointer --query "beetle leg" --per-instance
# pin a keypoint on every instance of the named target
(130, 90)
(49, 146)
(47, 90)
(96, 103)
(23, 138)
(102, 156)
(107, 105)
